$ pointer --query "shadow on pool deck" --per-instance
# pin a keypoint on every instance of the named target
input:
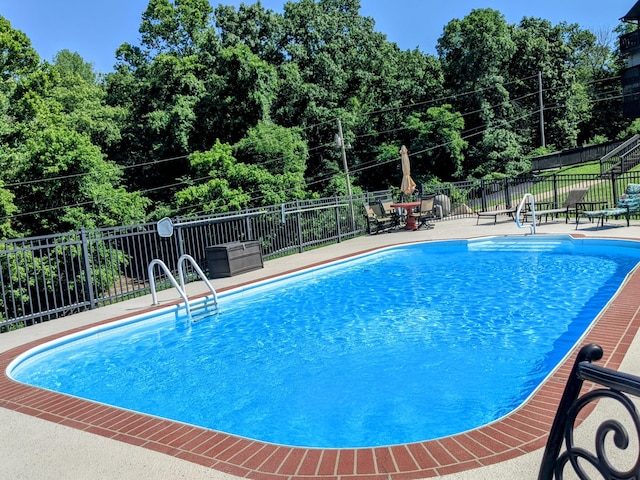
(38, 448)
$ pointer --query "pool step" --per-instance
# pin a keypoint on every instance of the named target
(517, 245)
(203, 309)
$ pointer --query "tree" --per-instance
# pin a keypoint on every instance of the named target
(65, 184)
(555, 52)
(475, 53)
(265, 168)
(241, 93)
(17, 56)
(54, 177)
(83, 101)
(251, 25)
(161, 84)
(438, 139)
(601, 75)
(175, 27)
(216, 193)
(501, 149)
(282, 152)
(477, 46)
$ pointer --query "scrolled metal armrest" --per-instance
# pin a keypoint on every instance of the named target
(616, 386)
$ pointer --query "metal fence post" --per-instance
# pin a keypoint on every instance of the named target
(180, 240)
(86, 265)
(483, 193)
(299, 225)
(247, 225)
(337, 214)
(507, 194)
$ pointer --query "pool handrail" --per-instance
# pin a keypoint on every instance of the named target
(532, 227)
(200, 273)
(179, 287)
(152, 283)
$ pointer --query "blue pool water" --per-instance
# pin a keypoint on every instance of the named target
(401, 345)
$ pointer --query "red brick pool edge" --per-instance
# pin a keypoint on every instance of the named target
(520, 432)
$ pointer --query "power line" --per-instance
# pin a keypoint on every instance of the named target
(360, 168)
(308, 127)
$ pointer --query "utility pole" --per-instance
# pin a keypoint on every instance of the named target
(542, 140)
(340, 142)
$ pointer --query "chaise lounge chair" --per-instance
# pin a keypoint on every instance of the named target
(627, 204)
(495, 213)
(570, 204)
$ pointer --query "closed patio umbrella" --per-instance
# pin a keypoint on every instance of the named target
(408, 185)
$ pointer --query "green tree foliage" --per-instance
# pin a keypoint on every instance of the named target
(475, 54)
(251, 25)
(261, 93)
(555, 52)
(175, 27)
(282, 152)
(82, 101)
(182, 90)
(57, 177)
(494, 77)
(75, 186)
(216, 193)
(17, 56)
(160, 85)
(265, 168)
(439, 143)
(243, 94)
(321, 60)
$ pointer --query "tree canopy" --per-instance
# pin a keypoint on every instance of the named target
(221, 109)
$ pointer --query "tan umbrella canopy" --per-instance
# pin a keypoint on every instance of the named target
(408, 185)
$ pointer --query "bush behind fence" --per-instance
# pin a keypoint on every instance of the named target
(53, 276)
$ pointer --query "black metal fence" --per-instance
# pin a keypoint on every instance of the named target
(52, 276)
(573, 156)
(57, 275)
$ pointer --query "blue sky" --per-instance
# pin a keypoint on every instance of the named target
(95, 28)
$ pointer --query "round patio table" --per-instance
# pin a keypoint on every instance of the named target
(411, 223)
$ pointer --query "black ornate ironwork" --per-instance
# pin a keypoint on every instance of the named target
(618, 386)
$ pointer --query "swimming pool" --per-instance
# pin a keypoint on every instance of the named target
(382, 318)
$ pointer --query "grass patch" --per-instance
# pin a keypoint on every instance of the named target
(587, 168)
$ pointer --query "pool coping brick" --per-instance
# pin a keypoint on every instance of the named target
(520, 432)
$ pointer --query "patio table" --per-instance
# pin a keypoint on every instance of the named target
(411, 223)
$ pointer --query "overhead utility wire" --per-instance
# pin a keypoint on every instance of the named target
(307, 127)
(466, 135)
(204, 178)
(447, 97)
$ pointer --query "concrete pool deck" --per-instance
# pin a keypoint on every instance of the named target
(51, 439)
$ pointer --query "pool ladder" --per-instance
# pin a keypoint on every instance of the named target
(181, 287)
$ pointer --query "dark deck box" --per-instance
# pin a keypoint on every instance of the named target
(228, 259)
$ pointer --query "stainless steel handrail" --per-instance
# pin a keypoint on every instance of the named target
(533, 212)
(182, 291)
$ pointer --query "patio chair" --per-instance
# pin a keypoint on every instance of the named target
(570, 205)
(427, 212)
(389, 211)
(377, 221)
(627, 204)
